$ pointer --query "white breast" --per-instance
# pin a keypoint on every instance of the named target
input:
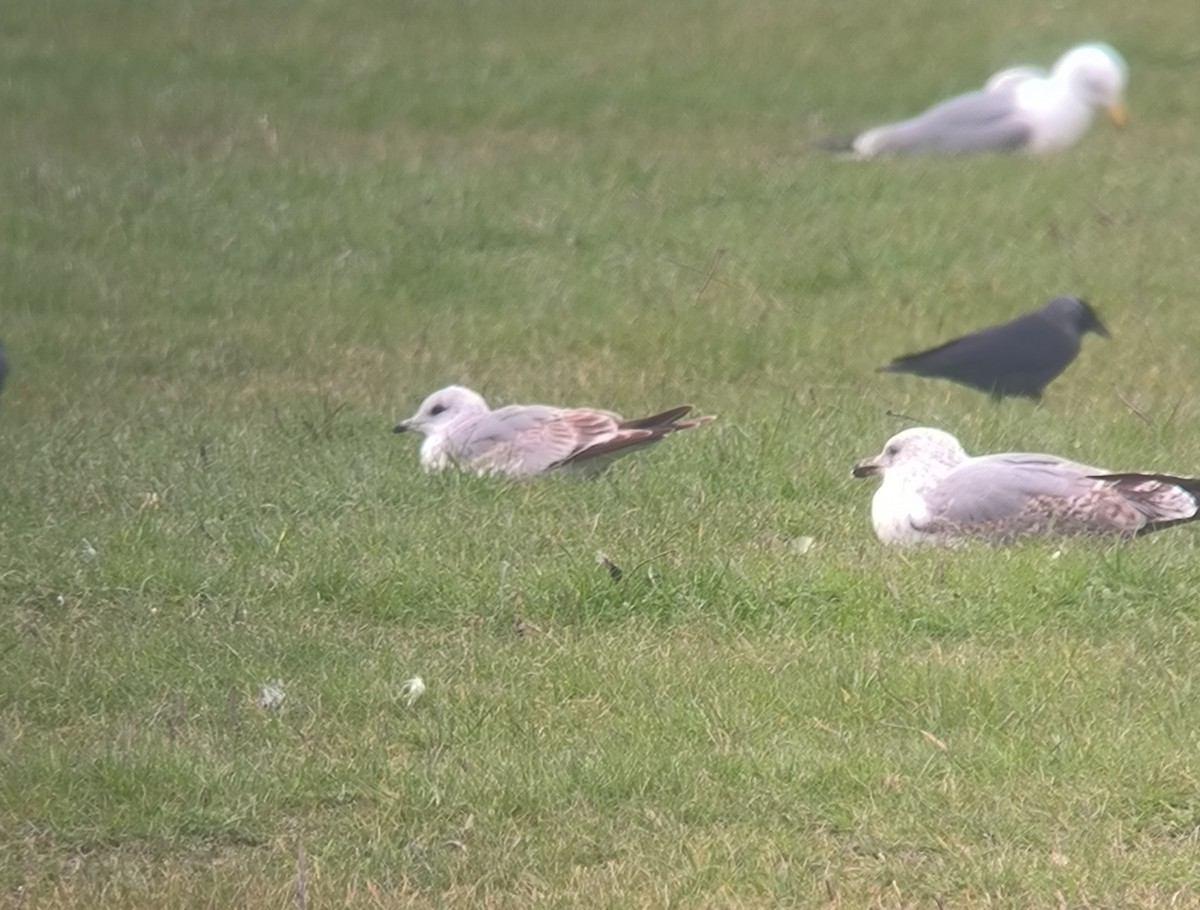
(897, 514)
(1058, 117)
(434, 456)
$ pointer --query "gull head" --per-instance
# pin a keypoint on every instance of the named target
(914, 458)
(1076, 314)
(442, 409)
(1097, 75)
(912, 463)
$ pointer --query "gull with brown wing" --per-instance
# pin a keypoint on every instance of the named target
(522, 440)
(933, 492)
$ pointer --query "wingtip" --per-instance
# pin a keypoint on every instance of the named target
(692, 421)
(1165, 499)
(695, 421)
(670, 419)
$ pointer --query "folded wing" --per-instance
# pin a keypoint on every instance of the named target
(523, 440)
(975, 122)
(1002, 497)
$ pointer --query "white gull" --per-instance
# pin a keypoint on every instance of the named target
(1018, 110)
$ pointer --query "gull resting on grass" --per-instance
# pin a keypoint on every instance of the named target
(1018, 110)
(934, 492)
(522, 440)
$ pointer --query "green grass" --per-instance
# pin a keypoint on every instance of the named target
(239, 240)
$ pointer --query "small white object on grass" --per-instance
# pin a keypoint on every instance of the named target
(412, 690)
(934, 492)
(802, 545)
(87, 551)
(271, 696)
(523, 440)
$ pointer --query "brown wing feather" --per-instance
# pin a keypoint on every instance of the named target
(520, 441)
(668, 420)
(626, 439)
(1096, 512)
(656, 420)
(1162, 500)
(625, 435)
(1128, 504)
(564, 437)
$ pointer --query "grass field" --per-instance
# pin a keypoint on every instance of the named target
(238, 240)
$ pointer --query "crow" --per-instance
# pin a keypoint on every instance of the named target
(1018, 358)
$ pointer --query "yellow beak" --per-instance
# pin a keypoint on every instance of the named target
(1116, 113)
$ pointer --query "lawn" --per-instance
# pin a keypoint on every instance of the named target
(239, 240)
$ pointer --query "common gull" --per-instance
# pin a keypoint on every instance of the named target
(1018, 358)
(933, 492)
(521, 440)
(1018, 110)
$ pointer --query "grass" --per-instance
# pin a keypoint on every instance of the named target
(240, 240)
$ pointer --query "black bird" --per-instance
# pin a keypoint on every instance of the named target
(1018, 358)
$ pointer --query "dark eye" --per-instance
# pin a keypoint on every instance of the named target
(891, 450)
(436, 409)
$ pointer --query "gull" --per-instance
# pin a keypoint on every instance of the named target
(1018, 110)
(933, 492)
(1018, 358)
(521, 440)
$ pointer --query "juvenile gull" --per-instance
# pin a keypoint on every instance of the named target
(521, 440)
(1018, 110)
(1018, 358)
(933, 492)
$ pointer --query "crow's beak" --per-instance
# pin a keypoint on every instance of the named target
(1116, 113)
(1100, 329)
(865, 468)
(400, 427)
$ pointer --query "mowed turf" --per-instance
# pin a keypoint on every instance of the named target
(238, 240)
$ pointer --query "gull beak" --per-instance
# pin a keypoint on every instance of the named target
(400, 427)
(1116, 113)
(865, 468)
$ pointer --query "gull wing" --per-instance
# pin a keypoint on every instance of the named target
(631, 434)
(1163, 500)
(975, 122)
(525, 439)
(1001, 497)
(522, 440)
